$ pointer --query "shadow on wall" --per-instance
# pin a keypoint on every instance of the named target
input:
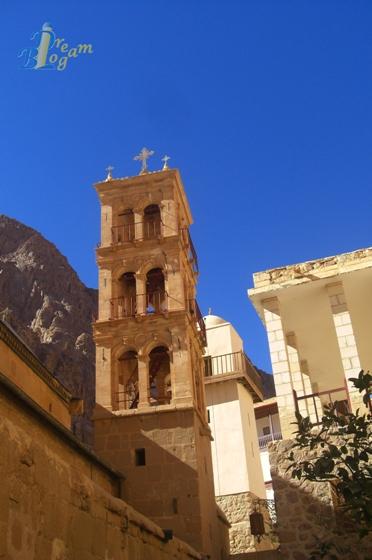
(306, 516)
(165, 471)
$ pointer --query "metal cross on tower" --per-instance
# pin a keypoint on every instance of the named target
(143, 156)
(109, 169)
(165, 159)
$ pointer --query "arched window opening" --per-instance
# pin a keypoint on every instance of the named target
(156, 301)
(128, 393)
(160, 380)
(124, 305)
(124, 229)
(151, 221)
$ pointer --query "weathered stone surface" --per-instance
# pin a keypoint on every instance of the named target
(58, 503)
(42, 298)
(306, 515)
(237, 508)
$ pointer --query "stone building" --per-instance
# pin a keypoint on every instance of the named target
(59, 500)
(232, 387)
(317, 316)
(150, 418)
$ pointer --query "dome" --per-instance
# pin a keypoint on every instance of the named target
(213, 321)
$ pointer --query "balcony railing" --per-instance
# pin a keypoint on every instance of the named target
(123, 307)
(123, 234)
(233, 363)
(127, 232)
(263, 441)
(200, 325)
(315, 403)
(156, 302)
(189, 245)
(151, 230)
(126, 400)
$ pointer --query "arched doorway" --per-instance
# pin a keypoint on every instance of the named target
(125, 304)
(124, 229)
(151, 221)
(156, 301)
(160, 379)
(127, 393)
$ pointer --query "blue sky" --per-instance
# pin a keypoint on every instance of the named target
(265, 107)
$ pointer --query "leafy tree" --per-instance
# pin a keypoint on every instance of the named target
(341, 453)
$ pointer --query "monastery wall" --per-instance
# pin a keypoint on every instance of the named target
(306, 514)
(237, 508)
(58, 501)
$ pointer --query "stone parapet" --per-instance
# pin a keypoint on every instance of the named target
(317, 268)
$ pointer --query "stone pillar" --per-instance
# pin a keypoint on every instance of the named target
(103, 377)
(280, 365)
(143, 381)
(105, 294)
(168, 210)
(346, 341)
(180, 376)
(300, 377)
(141, 293)
(106, 225)
(138, 225)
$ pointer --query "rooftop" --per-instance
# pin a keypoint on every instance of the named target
(276, 278)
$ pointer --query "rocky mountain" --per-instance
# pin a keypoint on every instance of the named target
(44, 301)
(267, 384)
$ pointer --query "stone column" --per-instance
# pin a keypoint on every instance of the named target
(105, 294)
(104, 391)
(346, 341)
(181, 376)
(141, 293)
(168, 210)
(143, 381)
(300, 378)
(138, 225)
(106, 225)
(280, 365)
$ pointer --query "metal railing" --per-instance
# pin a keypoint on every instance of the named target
(264, 440)
(123, 233)
(155, 302)
(151, 229)
(127, 232)
(126, 400)
(235, 362)
(191, 252)
(196, 314)
(123, 307)
(318, 402)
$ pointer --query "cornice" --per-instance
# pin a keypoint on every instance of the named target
(15, 343)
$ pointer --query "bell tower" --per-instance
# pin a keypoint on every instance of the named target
(150, 417)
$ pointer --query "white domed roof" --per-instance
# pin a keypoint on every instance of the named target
(213, 320)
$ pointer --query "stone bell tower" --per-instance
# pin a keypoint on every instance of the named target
(150, 418)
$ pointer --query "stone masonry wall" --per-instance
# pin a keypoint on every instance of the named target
(57, 504)
(237, 508)
(306, 515)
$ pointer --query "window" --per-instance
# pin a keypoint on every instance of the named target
(209, 416)
(266, 431)
(140, 457)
